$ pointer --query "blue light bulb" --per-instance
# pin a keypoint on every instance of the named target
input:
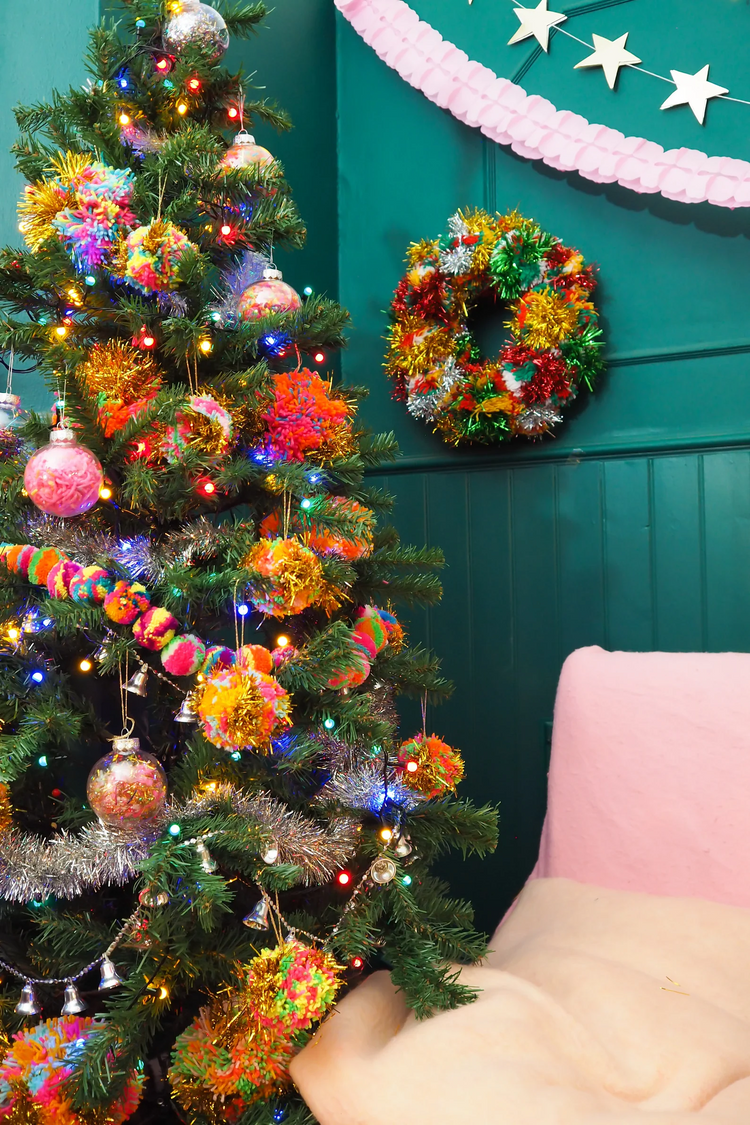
(308, 290)
(406, 880)
(235, 755)
(123, 82)
(42, 760)
(174, 830)
(305, 504)
(329, 723)
(243, 610)
(140, 23)
(38, 678)
(314, 478)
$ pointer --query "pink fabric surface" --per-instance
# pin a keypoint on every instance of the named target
(649, 785)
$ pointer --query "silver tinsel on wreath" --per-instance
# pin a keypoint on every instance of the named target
(365, 788)
(537, 419)
(66, 866)
(457, 225)
(457, 260)
(426, 406)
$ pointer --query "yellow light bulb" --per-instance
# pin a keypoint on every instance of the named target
(386, 834)
(105, 492)
(13, 633)
(205, 346)
(74, 295)
(182, 108)
(124, 118)
(85, 665)
(61, 331)
(163, 993)
(282, 642)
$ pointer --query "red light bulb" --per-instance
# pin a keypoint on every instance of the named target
(344, 878)
(208, 487)
(226, 229)
(356, 962)
(194, 84)
(148, 341)
(162, 64)
(232, 112)
(319, 357)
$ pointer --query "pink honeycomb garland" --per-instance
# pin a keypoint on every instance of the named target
(531, 125)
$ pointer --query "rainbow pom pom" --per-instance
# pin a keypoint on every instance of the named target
(126, 601)
(217, 656)
(34, 1071)
(41, 563)
(356, 672)
(241, 706)
(184, 655)
(92, 585)
(155, 629)
(429, 765)
(370, 633)
(154, 254)
(18, 559)
(60, 577)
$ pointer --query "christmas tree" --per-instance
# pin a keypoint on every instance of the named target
(209, 823)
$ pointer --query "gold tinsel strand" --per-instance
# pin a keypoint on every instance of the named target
(6, 823)
(39, 205)
(25, 1111)
(119, 371)
(418, 251)
(415, 346)
(69, 166)
(152, 241)
(205, 434)
(117, 259)
(543, 319)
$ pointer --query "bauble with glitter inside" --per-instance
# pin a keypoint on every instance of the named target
(127, 789)
(10, 411)
(269, 295)
(244, 153)
(64, 477)
(195, 25)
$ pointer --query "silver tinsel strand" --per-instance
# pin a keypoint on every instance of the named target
(67, 865)
(426, 406)
(458, 260)
(365, 788)
(457, 226)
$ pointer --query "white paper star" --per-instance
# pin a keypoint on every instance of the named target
(694, 90)
(610, 55)
(537, 22)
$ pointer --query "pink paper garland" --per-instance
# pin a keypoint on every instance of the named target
(530, 124)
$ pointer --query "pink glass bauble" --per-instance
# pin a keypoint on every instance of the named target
(270, 295)
(244, 153)
(127, 788)
(63, 478)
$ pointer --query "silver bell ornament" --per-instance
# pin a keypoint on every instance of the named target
(403, 847)
(149, 897)
(187, 712)
(138, 683)
(208, 863)
(73, 1003)
(195, 25)
(257, 919)
(383, 870)
(270, 855)
(110, 977)
(27, 1005)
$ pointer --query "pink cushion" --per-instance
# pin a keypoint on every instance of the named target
(649, 785)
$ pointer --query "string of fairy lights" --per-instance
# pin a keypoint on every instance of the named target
(611, 55)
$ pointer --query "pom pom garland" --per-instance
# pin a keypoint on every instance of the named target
(41, 563)
(155, 629)
(60, 577)
(184, 655)
(429, 766)
(34, 1071)
(434, 360)
(92, 585)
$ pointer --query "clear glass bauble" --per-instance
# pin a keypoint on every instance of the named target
(269, 295)
(196, 25)
(11, 414)
(244, 153)
(63, 478)
(127, 789)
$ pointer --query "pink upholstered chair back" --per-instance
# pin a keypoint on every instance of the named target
(649, 785)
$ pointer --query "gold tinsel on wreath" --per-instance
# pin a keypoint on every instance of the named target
(120, 372)
(543, 319)
(415, 347)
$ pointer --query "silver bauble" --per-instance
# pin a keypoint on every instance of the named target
(196, 25)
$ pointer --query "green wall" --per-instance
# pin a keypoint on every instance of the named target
(631, 529)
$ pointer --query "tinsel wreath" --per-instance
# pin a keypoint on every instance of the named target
(555, 347)
(68, 865)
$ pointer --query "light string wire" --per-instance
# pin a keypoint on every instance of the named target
(631, 66)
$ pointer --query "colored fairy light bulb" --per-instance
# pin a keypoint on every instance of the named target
(412, 767)
(406, 880)
(90, 279)
(308, 290)
(243, 610)
(194, 83)
(42, 760)
(105, 492)
(38, 678)
(226, 229)
(386, 834)
(329, 723)
(174, 830)
(305, 504)
(124, 118)
(232, 112)
(85, 665)
(182, 108)
(61, 331)
(205, 346)
(319, 357)
(344, 878)
(282, 642)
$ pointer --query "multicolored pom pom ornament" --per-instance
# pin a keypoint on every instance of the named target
(184, 655)
(294, 574)
(205, 425)
(429, 765)
(87, 205)
(35, 1068)
(123, 380)
(309, 524)
(195, 25)
(155, 628)
(63, 478)
(150, 257)
(244, 153)
(242, 706)
(240, 1048)
(306, 419)
(269, 295)
(127, 789)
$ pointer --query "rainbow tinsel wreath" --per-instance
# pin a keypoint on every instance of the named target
(238, 1050)
(555, 345)
(35, 1068)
